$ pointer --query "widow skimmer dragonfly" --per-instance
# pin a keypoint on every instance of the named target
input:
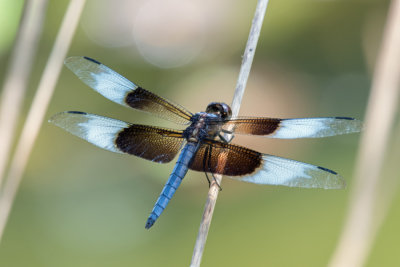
(203, 148)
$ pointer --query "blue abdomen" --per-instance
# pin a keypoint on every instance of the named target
(175, 179)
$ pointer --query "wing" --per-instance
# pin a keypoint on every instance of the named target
(122, 91)
(151, 143)
(293, 128)
(248, 165)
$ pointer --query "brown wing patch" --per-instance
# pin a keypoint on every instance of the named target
(221, 158)
(146, 101)
(152, 143)
(251, 125)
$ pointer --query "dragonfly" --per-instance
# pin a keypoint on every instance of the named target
(203, 145)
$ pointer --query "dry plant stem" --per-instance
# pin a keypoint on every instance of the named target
(237, 98)
(16, 79)
(391, 182)
(359, 230)
(38, 108)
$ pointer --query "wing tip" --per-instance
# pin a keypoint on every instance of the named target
(345, 118)
(340, 183)
(334, 180)
(354, 125)
(92, 60)
(59, 115)
(53, 119)
(76, 112)
(359, 124)
(70, 61)
(327, 170)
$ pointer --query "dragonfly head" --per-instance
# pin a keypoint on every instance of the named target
(220, 109)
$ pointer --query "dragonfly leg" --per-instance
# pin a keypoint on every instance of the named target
(226, 140)
(204, 166)
(215, 180)
(209, 168)
(208, 179)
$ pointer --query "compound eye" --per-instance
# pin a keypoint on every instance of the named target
(212, 108)
(226, 111)
(221, 109)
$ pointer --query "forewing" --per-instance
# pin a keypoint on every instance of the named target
(293, 128)
(151, 143)
(248, 165)
(122, 91)
(253, 126)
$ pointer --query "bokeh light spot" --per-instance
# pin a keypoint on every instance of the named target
(169, 33)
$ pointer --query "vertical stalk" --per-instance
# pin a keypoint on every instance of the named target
(237, 98)
(16, 80)
(360, 229)
(38, 108)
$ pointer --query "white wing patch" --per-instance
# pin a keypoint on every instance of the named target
(286, 172)
(101, 78)
(98, 130)
(316, 127)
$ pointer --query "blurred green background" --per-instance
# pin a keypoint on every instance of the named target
(79, 205)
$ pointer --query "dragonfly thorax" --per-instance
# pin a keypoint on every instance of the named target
(203, 125)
